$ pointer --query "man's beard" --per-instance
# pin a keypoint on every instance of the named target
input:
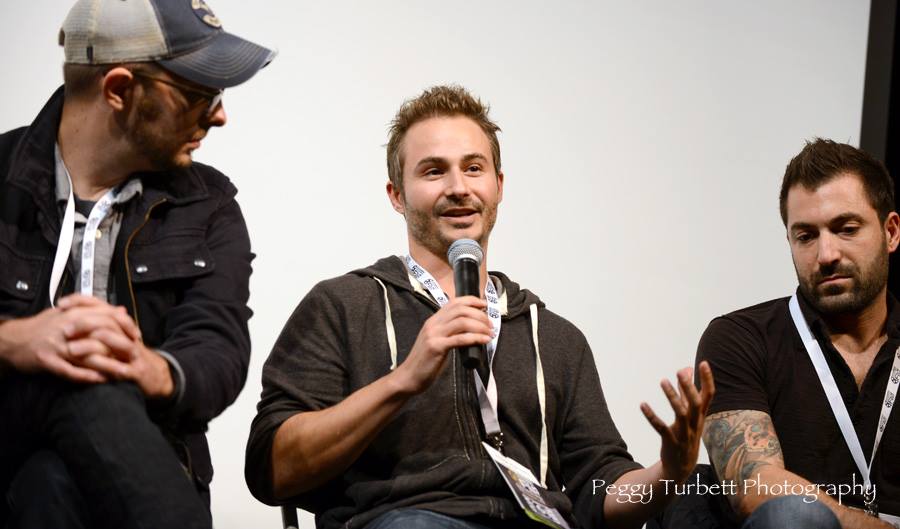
(866, 284)
(425, 228)
(149, 140)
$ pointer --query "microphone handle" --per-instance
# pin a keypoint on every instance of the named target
(465, 277)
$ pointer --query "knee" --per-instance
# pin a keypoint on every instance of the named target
(792, 511)
(117, 397)
(43, 483)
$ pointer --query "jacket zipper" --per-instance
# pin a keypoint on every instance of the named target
(471, 438)
(134, 307)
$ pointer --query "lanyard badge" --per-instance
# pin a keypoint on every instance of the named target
(839, 409)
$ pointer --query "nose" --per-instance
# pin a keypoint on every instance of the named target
(828, 250)
(456, 184)
(218, 118)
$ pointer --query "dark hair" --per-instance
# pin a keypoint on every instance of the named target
(82, 80)
(821, 160)
(437, 101)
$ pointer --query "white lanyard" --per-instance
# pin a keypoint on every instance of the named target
(487, 398)
(837, 402)
(67, 234)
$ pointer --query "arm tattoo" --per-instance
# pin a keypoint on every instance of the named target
(740, 442)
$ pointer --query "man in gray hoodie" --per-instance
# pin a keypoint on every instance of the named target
(368, 421)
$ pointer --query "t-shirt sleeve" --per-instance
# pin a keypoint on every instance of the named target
(304, 372)
(736, 355)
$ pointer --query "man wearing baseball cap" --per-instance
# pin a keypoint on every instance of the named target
(123, 297)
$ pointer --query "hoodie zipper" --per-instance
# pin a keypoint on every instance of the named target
(465, 401)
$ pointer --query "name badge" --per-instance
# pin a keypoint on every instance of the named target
(527, 490)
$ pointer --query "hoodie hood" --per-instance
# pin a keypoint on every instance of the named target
(392, 270)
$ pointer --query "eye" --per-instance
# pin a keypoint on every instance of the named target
(803, 237)
(849, 229)
(434, 171)
(474, 168)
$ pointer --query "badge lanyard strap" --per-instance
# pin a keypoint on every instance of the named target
(67, 234)
(487, 397)
(837, 403)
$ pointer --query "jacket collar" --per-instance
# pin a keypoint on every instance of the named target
(33, 168)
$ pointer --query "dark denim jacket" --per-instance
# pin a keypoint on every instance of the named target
(181, 263)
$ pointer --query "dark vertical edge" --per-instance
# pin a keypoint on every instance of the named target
(880, 56)
(880, 128)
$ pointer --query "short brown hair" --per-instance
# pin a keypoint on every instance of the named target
(81, 80)
(437, 101)
(821, 160)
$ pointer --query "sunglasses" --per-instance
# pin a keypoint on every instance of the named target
(194, 96)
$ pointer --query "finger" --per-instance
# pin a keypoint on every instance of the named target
(457, 310)
(108, 366)
(463, 340)
(469, 301)
(84, 321)
(689, 392)
(461, 325)
(78, 300)
(707, 385)
(127, 323)
(678, 405)
(121, 347)
(59, 367)
(658, 424)
(76, 350)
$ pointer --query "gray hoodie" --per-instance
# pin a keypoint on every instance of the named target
(340, 339)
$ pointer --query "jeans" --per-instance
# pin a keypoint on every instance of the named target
(43, 494)
(420, 519)
(791, 512)
(93, 452)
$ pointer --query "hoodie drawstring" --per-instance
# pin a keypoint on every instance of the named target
(542, 391)
(538, 368)
(389, 326)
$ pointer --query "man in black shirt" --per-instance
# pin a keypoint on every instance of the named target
(803, 382)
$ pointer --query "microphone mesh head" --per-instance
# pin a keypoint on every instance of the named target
(464, 248)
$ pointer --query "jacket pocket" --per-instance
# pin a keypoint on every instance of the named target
(20, 280)
(182, 255)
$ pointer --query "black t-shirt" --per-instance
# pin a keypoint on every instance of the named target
(759, 363)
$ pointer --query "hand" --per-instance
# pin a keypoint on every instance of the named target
(116, 355)
(40, 343)
(681, 439)
(459, 323)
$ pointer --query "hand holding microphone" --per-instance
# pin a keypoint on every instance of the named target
(461, 324)
(465, 257)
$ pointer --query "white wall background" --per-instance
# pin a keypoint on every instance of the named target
(643, 146)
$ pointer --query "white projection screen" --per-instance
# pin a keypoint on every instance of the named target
(643, 146)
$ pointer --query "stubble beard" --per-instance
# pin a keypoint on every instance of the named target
(424, 226)
(147, 138)
(866, 284)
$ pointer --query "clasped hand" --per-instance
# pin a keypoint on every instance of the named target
(86, 340)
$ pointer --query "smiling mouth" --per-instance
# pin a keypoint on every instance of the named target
(458, 213)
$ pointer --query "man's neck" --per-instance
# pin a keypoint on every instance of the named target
(91, 154)
(858, 332)
(440, 269)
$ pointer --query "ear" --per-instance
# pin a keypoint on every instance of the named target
(500, 187)
(892, 231)
(396, 197)
(116, 87)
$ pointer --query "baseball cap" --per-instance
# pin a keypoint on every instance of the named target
(183, 36)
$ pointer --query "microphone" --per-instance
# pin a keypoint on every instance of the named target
(465, 257)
